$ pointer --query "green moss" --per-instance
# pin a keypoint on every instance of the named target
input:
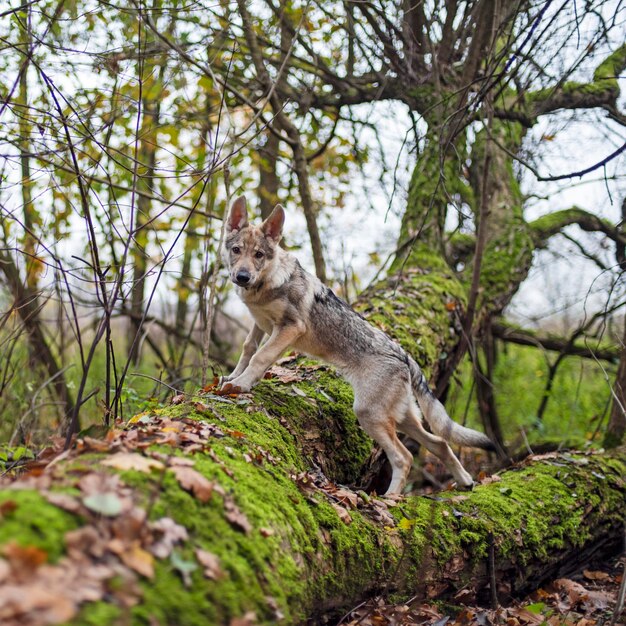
(612, 66)
(35, 522)
(266, 493)
(417, 309)
(99, 613)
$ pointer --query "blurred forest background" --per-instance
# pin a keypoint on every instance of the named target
(127, 128)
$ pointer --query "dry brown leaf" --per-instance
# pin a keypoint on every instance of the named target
(249, 619)
(99, 482)
(63, 501)
(37, 607)
(24, 560)
(7, 507)
(235, 516)
(211, 564)
(138, 559)
(98, 445)
(169, 533)
(346, 497)
(344, 516)
(181, 461)
(284, 374)
(194, 482)
(596, 575)
(132, 461)
(85, 540)
(5, 570)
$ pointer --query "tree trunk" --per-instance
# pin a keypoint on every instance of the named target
(617, 420)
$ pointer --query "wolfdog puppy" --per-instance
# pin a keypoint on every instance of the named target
(297, 311)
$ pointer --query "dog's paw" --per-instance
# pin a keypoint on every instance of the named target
(465, 486)
(228, 389)
(235, 385)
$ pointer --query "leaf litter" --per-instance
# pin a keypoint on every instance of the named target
(117, 545)
(587, 600)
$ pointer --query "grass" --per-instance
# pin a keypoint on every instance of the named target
(23, 399)
(579, 398)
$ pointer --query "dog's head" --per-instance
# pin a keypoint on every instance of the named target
(250, 250)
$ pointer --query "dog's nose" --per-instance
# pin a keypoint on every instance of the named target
(243, 277)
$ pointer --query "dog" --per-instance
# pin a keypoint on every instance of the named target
(296, 310)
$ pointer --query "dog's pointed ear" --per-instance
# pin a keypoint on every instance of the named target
(272, 227)
(238, 215)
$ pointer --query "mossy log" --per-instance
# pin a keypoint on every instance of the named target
(285, 542)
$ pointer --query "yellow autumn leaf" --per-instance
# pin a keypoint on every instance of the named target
(406, 524)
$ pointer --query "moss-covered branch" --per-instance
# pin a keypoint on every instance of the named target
(601, 92)
(553, 223)
(282, 541)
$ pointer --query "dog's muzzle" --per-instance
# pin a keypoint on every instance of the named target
(242, 278)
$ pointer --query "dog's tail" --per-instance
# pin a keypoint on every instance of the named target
(437, 417)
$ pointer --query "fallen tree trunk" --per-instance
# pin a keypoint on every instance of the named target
(218, 508)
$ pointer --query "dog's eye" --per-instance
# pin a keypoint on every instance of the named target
(236, 249)
(258, 254)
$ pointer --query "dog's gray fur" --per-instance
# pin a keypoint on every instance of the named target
(296, 310)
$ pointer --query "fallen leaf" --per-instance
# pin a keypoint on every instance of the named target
(85, 540)
(178, 399)
(183, 567)
(249, 619)
(63, 501)
(202, 408)
(5, 570)
(38, 606)
(596, 575)
(107, 504)
(211, 564)
(138, 559)
(194, 482)
(24, 560)
(344, 516)
(169, 533)
(346, 497)
(181, 461)
(132, 461)
(99, 482)
(7, 507)
(237, 434)
(235, 516)
(98, 445)
(266, 532)
(284, 374)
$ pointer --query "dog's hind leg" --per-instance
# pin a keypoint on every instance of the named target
(376, 418)
(412, 426)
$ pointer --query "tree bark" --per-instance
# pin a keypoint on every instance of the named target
(617, 421)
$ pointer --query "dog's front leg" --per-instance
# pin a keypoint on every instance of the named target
(281, 338)
(250, 346)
